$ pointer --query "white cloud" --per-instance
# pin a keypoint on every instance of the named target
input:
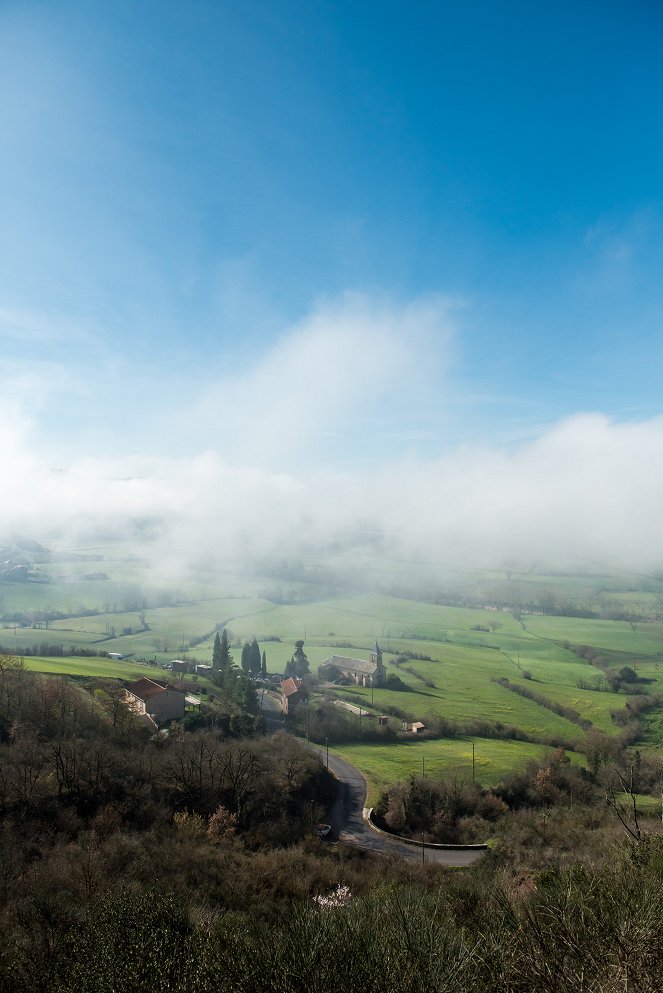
(253, 464)
(327, 380)
(587, 493)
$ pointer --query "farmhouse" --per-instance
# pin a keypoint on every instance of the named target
(293, 692)
(361, 671)
(161, 702)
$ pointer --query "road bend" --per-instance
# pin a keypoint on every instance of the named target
(349, 825)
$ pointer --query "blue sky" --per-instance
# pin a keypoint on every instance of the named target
(317, 236)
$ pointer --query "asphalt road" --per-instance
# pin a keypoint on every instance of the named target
(347, 814)
(348, 824)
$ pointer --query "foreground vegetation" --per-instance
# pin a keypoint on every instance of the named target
(189, 861)
(586, 930)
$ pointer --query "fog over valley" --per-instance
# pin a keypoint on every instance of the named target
(584, 494)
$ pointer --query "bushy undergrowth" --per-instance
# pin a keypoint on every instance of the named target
(593, 931)
(189, 864)
(547, 806)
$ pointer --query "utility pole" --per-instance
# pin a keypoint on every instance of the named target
(472, 761)
(327, 747)
(423, 849)
(423, 767)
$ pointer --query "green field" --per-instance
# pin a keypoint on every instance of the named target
(467, 648)
(93, 667)
(464, 690)
(384, 764)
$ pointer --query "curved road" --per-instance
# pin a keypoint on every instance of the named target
(347, 814)
(348, 822)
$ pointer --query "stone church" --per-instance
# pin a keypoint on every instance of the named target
(364, 672)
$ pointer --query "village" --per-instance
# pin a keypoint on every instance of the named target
(159, 702)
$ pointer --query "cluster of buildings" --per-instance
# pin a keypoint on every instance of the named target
(160, 702)
(336, 669)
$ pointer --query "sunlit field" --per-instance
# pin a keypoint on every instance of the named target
(448, 658)
(102, 667)
(384, 764)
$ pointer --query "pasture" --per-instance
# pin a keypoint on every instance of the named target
(453, 655)
(101, 667)
(384, 764)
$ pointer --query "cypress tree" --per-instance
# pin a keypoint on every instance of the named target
(254, 658)
(216, 652)
(221, 658)
(263, 665)
(226, 657)
(246, 656)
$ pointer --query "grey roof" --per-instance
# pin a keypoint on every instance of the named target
(354, 665)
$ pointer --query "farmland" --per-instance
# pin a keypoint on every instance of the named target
(487, 761)
(518, 671)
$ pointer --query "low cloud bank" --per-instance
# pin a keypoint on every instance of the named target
(586, 494)
(358, 382)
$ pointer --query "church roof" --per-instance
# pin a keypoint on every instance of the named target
(352, 665)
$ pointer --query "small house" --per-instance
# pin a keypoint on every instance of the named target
(293, 693)
(161, 702)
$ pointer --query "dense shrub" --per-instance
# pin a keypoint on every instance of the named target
(597, 930)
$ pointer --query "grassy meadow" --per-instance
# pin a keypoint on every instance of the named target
(384, 764)
(99, 667)
(112, 606)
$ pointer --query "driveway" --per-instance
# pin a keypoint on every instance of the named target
(271, 711)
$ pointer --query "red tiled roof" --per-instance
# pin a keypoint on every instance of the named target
(146, 688)
(290, 686)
